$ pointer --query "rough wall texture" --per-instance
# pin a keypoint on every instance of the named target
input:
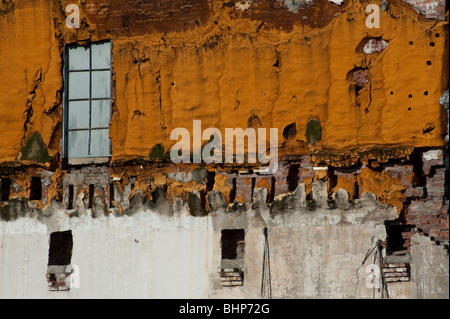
(362, 122)
(235, 63)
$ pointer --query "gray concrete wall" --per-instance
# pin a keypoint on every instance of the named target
(315, 252)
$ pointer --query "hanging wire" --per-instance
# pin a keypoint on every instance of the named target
(266, 286)
(370, 252)
(373, 270)
(384, 289)
(378, 256)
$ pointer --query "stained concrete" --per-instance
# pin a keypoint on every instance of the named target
(314, 253)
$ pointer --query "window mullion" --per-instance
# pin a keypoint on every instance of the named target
(90, 99)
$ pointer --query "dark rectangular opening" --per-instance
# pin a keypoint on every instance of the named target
(91, 195)
(111, 195)
(293, 177)
(70, 199)
(419, 178)
(203, 199)
(356, 190)
(132, 180)
(271, 195)
(210, 177)
(253, 187)
(60, 251)
(232, 243)
(36, 188)
(5, 189)
(233, 191)
(395, 242)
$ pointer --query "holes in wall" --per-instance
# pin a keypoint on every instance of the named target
(432, 44)
(355, 190)
(111, 195)
(428, 62)
(419, 178)
(396, 264)
(5, 189)
(425, 93)
(91, 195)
(271, 195)
(210, 178)
(59, 259)
(133, 180)
(427, 128)
(332, 179)
(60, 251)
(233, 245)
(253, 187)
(276, 64)
(410, 96)
(233, 242)
(358, 77)
(411, 43)
(233, 190)
(70, 199)
(36, 188)
(395, 240)
(409, 109)
(293, 177)
(392, 92)
(290, 131)
(309, 197)
(203, 199)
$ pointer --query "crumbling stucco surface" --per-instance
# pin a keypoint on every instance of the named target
(362, 140)
(226, 65)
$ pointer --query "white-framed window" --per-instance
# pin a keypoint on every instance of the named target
(87, 101)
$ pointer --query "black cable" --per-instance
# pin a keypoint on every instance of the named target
(383, 281)
(266, 267)
(384, 288)
(370, 252)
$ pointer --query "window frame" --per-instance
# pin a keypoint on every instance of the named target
(90, 159)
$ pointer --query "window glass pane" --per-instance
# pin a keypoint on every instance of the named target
(78, 114)
(79, 58)
(101, 83)
(78, 144)
(101, 56)
(100, 143)
(101, 113)
(78, 85)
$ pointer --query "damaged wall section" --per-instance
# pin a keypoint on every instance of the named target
(353, 172)
(316, 250)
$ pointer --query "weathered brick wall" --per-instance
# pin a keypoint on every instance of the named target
(136, 17)
(20, 184)
(278, 180)
(81, 180)
(432, 9)
(428, 209)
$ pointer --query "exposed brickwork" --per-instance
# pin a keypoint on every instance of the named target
(285, 14)
(405, 172)
(21, 178)
(432, 9)
(396, 272)
(231, 277)
(57, 282)
(361, 77)
(429, 211)
(375, 45)
(136, 17)
(80, 179)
